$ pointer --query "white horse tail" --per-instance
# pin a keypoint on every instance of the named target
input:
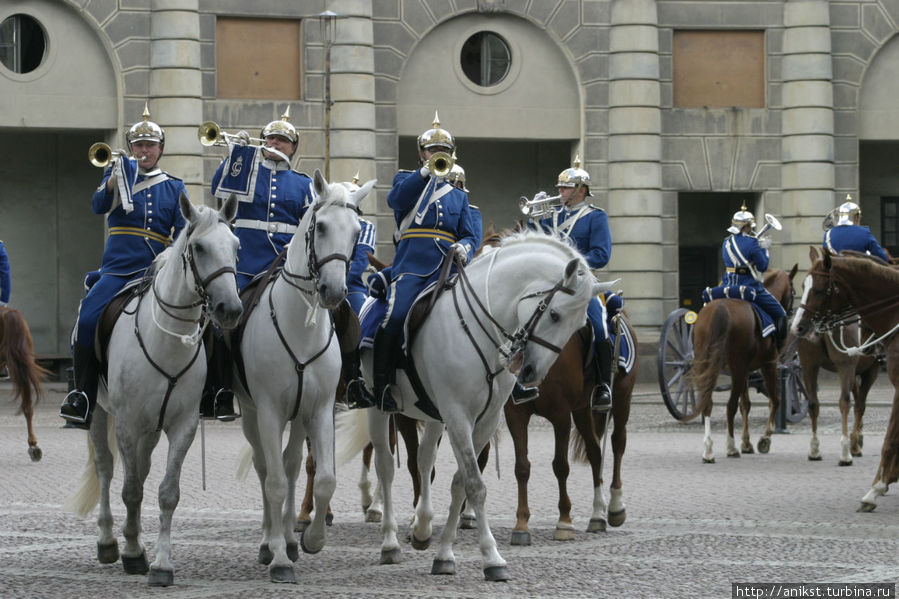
(352, 428)
(86, 498)
(244, 461)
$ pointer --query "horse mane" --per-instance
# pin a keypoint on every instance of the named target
(563, 245)
(206, 218)
(869, 266)
(871, 257)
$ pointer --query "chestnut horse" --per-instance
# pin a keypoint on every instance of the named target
(726, 335)
(17, 355)
(839, 288)
(565, 396)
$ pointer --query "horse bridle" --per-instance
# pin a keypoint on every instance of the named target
(825, 318)
(313, 264)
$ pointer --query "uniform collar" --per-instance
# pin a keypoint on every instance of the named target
(575, 207)
(153, 173)
(279, 165)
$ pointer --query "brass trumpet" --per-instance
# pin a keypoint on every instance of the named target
(100, 154)
(440, 164)
(210, 134)
(538, 208)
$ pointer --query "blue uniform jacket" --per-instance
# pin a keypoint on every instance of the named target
(365, 244)
(5, 282)
(447, 219)
(853, 237)
(137, 237)
(744, 251)
(266, 222)
(587, 226)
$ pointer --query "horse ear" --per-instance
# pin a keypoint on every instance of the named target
(357, 196)
(318, 182)
(187, 208)
(229, 208)
(827, 260)
(794, 270)
(812, 254)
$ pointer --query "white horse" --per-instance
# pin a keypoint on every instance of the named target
(511, 311)
(156, 369)
(292, 362)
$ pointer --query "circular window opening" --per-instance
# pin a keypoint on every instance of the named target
(22, 43)
(486, 58)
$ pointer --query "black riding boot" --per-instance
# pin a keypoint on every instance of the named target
(601, 398)
(78, 406)
(522, 394)
(218, 399)
(384, 366)
(781, 331)
(357, 394)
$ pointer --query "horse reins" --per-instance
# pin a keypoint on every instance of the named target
(830, 319)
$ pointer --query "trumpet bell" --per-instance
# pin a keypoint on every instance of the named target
(775, 224)
(440, 164)
(100, 154)
(209, 133)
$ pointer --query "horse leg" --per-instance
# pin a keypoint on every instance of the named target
(857, 438)
(810, 377)
(250, 426)
(180, 436)
(769, 373)
(517, 418)
(292, 457)
(889, 457)
(280, 568)
(424, 511)
(134, 557)
(371, 500)
(380, 438)
(34, 452)
(737, 389)
(107, 546)
(584, 421)
(306, 507)
(468, 521)
(708, 457)
(322, 428)
(466, 445)
(847, 384)
(562, 435)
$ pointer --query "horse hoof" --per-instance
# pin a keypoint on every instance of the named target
(365, 508)
(419, 545)
(617, 518)
(521, 537)
(563, 534)
(596, 525)
(136, 565)
(109, 553)
(35, 453)
(301, 525)
(468, 523)
(310, 549)
(265, 556)
(866, 507)
(161, 578)
(749, 449)
(855, 453)
(443, 566)
(844, 463)
(293, 552)
(329, 519)
(496, 574)
(814, 458)
(733, 453)
(708, 460)
(391, 556)
(282, 574)
(764, 444)
(372, 516)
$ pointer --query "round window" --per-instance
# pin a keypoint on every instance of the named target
(23, 43)
(485, 58)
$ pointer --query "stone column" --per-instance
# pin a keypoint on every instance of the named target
(353, 95)
(635, 152)
(807, 150)
(176, 88)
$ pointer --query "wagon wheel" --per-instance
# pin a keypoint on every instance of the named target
(793, 389)
(675, 361)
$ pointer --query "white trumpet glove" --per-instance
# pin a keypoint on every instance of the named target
(765, 242)
(460, 252)
(541, 195)
(424, 171)
(243, 138)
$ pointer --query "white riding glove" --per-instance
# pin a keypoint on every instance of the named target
(460, 251)
(541, 195)
(424, 171)
(765, 243)
(243, 138)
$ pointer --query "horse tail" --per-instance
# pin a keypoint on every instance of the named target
(244, 461)
(17, 350)
(352, 427)
(87, 496)
(710, 354)
(577, 449)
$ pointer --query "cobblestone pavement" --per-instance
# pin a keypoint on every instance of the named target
(692, 529)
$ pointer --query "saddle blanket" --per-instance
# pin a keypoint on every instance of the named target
(626, 356)
(744, 293)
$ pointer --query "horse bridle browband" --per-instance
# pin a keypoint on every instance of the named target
(313, 265)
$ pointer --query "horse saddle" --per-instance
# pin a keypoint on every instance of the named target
(764, 321)
(112, 311)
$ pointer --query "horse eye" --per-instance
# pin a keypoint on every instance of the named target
(320, 228)
(199, 249)
(554, 316)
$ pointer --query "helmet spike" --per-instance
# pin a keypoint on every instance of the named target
(356, 178)
(436, 123)
(848, 197)
(146, 113)
(286, 116)
(577, 161)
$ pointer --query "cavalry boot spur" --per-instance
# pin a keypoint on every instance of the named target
(77, 407)
(522, 394)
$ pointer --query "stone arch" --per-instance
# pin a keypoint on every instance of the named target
(77, 85)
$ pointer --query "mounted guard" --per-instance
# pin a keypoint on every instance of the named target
(848, 234)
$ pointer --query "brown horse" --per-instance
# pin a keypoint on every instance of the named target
(565, 396)
(838, 288)
(17, 355)
(726, 335)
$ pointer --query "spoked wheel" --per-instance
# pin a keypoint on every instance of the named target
(675, 362)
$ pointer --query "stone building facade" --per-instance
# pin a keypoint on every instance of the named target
(681, 110)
